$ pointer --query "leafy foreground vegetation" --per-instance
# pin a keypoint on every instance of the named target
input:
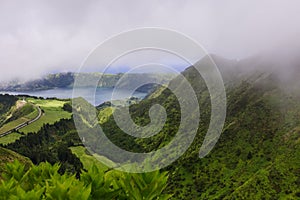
(45, 182)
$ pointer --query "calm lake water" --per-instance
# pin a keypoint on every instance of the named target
(102, 94)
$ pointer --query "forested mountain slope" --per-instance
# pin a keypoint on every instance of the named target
(256, 157)
(258, 153)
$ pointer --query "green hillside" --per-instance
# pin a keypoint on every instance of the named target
(257, 155)
(22, 112)
(52, 112)
(59, 174)
(6, 103)
(8, 156)
(18, 116)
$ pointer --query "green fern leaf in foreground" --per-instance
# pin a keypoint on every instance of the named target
(44, 182)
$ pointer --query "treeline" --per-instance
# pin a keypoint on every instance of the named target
(51, 144)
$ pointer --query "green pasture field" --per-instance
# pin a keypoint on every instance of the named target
(53, 112)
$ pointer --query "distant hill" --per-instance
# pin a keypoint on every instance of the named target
(66, 80)
(60, 80)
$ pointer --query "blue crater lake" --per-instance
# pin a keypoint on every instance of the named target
(96, 98)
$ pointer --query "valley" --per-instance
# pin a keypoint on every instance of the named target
(257, 155)
(149, 100)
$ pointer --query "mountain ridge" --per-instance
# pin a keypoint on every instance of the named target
(257, 155)
(67, 79)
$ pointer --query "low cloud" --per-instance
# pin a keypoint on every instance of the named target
(38, 37)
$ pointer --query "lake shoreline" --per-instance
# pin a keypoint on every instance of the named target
(101, 95)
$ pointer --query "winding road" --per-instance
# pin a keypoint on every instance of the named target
(24, 124)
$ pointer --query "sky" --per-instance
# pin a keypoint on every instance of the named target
(38, 37)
